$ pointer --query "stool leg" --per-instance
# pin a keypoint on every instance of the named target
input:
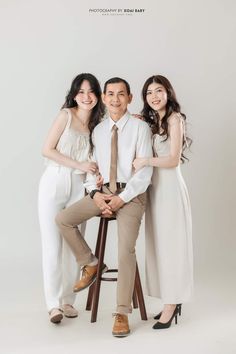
(97, 283)
(91, 289)
(139, 291)
(90, 298)
(135, 300)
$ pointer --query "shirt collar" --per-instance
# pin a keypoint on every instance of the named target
(120, 123)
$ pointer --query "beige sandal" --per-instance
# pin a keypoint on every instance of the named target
(69, 311)
(55, 315)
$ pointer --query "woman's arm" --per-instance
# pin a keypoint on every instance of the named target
(176, 141)
(50, 151)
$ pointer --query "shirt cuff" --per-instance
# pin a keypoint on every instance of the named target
(125, 196)
(89, 186)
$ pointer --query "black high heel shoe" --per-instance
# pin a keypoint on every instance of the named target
(158, 316)
(160, 325)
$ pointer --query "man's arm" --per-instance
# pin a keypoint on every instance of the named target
(141, 179)
(90, 181)
(91, 186)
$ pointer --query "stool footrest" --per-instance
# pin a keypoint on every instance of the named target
(109, 279)
(110, 271)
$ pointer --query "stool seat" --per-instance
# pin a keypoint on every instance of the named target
(94, 290)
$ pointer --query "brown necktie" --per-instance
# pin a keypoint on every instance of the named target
(113, 165)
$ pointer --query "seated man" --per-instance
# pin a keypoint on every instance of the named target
(117, 141)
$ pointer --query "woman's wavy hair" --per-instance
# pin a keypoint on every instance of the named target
(98, 110)
(152, 117)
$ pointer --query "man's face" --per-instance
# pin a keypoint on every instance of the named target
(116, 99)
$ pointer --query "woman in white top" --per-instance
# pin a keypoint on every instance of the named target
(169, 270)
(66, 149)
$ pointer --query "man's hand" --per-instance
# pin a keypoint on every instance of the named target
(115, 203)
(101, 200)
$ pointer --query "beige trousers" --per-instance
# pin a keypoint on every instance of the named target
(128, 220)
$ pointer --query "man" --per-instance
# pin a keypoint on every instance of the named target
(117, 141)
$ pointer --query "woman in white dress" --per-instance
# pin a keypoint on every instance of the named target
(169, 270)
(66, 149)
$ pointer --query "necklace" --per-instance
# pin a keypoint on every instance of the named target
(81, 122)
(84, 124)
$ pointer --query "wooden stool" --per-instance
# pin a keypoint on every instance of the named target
(94, 290)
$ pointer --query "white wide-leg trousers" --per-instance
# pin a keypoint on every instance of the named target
(58, 189)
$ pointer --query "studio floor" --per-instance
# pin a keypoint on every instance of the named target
(207, 324)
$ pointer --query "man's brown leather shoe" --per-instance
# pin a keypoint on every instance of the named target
(121, 325)
(89, 274)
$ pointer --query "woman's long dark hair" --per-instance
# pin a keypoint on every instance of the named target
(152, 117)
(98, 110)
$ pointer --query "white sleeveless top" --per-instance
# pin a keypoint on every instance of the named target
(161, 147)
(73, 144)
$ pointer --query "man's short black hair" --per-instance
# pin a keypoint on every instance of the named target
(116, 80)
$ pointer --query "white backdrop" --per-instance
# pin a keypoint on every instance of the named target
(44, 44)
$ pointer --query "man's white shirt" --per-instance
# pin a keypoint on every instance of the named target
(134, 140)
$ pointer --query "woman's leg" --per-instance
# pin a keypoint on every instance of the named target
(48, 206)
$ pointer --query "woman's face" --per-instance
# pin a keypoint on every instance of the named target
(86, 98)
(156, 97)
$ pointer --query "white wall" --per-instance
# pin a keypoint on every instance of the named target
(46, 43)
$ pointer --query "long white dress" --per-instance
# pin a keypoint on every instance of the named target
(168, 226)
